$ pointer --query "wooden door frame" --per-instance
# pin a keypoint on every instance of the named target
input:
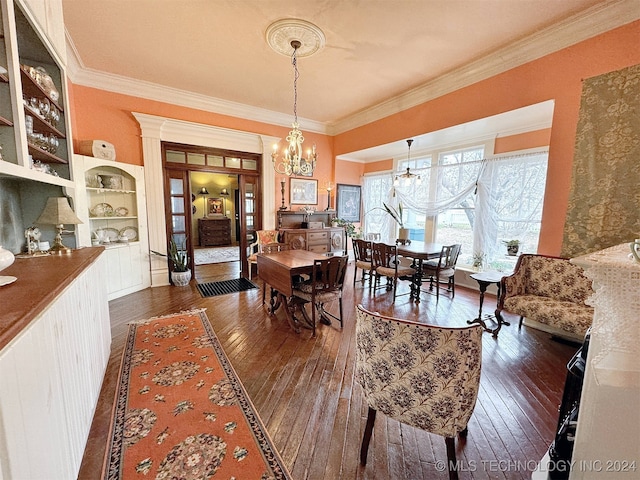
(186, 169)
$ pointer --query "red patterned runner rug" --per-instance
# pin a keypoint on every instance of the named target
(181, 410)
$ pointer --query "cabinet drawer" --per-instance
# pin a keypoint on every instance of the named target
(318, 248)
(314, 238)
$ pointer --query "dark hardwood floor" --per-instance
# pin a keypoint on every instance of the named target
(304, 388)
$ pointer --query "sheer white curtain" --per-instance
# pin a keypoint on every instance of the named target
(377, 190)
(503, 196)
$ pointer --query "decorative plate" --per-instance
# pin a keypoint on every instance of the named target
(107, 232)
(121, 212)
(130, 233)
(102, 210)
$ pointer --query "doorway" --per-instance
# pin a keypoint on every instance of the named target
(216, 247)
(210, 191)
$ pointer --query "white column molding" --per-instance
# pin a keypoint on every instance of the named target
(160, 129)
(268, 183)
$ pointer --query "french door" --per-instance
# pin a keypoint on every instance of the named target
(179, 161)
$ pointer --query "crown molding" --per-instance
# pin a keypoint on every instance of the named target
(79, 74)
(593, 21)
(603, 17)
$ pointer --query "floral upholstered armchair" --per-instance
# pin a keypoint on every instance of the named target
(549, 290)
(422, 375)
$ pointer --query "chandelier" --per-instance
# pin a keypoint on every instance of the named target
(293, 162)
(407, 178)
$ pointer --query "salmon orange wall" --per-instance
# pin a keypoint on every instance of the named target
(557, 76)
(102, 115)
(522, 141)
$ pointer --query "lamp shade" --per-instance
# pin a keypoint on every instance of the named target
(224, 192)
(203, 191)
(57, 211)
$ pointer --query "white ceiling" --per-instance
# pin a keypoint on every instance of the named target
(377, 54)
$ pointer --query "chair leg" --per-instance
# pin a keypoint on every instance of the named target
(368, 430)
(340, 305)
(395, 285)
(520, 322)
(451, 457)
(452, 286)
(437, 289)
(355, 274)
(264, 292)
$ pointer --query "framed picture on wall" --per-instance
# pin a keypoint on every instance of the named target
(303, 192)
(348, 202)
(215, 206)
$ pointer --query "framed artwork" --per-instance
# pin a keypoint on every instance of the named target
(303, 192)
(215, 206)
(348, 202)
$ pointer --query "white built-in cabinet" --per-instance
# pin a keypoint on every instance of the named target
(50, 379)
(111, 202)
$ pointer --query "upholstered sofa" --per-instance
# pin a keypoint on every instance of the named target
(550, 291)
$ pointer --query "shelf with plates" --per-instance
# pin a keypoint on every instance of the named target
(111, 203)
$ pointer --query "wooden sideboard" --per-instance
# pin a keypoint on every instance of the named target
(214, 231)
(318, 240)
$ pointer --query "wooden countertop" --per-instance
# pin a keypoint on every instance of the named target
(39, 281)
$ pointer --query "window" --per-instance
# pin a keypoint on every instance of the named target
(466, 199)
(455, 224)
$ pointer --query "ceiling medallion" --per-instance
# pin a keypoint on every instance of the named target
(281, 33)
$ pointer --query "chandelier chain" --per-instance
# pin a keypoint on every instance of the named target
(296, 74)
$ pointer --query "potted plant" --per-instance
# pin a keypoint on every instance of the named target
(396, 214)
(180, 271)
(512, 246)
(349, 227)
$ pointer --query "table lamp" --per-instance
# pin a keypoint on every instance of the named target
(58, 212)
(204, 192)
(224, 193)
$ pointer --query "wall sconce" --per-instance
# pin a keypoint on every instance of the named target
(58, 212)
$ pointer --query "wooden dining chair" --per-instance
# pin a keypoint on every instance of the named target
(362, 257)
(263, 237)
(325, 285)
(443, 269)
(422, 375)
(385, 262)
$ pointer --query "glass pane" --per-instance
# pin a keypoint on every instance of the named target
(232, 162)
(248, 205)
(215, 160)
(178, 223)
(249, 164)
(249, 190)
(176, 157)
(181, 240)
(195, 158)
(250, 223)
(175, 186)
(177, 205)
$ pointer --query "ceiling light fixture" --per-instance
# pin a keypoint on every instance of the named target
(306, 39)
(408, 177)
(293, 162)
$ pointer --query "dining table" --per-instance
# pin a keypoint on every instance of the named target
(281, 270)
(418, 252)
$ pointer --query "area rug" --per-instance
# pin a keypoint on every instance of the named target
(205, 256)
(211, 289)
(181, 411)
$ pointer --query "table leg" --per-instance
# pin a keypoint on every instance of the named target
(289, 309)
(483, 288)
